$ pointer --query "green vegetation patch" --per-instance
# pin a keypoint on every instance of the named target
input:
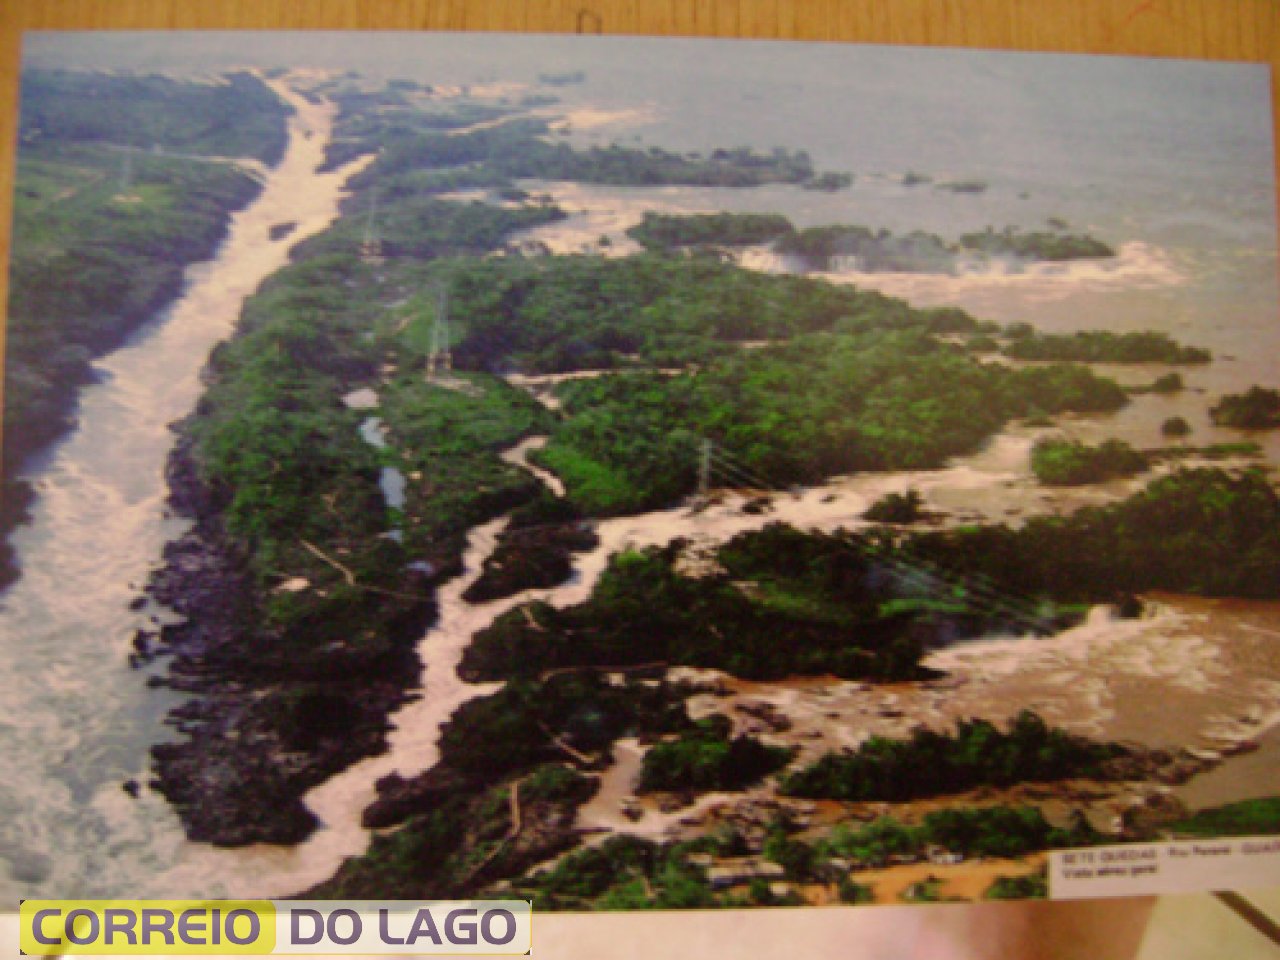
(237, 117)
(1256, 409)
(560, 314)
(1241, 819)
(820, 248)
(707, 758)
(535, 549)
(623, 873)
(1053, 245)
(788, 603)
(1225, 451)
(298, 485)
(1165, 383)
(519, 148)
(897, 508)
(667, 232)
(1095, 346)
(91, 264)
(425, 227)
(1030, 886)
(1204, 531)
(931, 764)
(517, 728)
(803, 411)
(1062, 462)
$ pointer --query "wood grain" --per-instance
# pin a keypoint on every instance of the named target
(1245, 30)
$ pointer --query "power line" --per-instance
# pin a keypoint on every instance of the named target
(925, 574)
(728, 464)
(736, 478)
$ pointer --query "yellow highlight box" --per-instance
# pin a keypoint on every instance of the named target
(141, 927)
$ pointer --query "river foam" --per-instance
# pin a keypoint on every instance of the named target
(80, 722)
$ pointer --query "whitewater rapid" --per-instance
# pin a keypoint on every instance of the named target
(75, 721)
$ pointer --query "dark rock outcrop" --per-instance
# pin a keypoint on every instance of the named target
(269, 720)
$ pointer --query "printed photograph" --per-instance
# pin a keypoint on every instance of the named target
(626, 473)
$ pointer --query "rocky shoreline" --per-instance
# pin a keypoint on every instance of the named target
(263, 727)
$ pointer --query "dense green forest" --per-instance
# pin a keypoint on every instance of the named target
(102, 234)
(90, 264)
(1062, 462)
(788, 603)
(659, 231)
(1256, 409)
(921, 252)
(234, 116)
(556, 314)
(874, 371)
(876, 250)
(707, 758)
(997, 831)
(272, 438)
(931, 763)
(798, 412)
(424, 228)
(1049, 245)
(1206, 531)
(1094, 346)
(520, 147)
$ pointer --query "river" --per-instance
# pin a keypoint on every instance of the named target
(80, 721)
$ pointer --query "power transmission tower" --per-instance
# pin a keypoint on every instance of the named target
(125, 191)
(441, 356)
(371, 245)
(704, 470)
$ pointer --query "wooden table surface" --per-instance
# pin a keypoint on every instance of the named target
(1246, 30)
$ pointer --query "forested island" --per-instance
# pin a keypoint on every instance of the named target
(1062, 462)
(1103, 346)
(518, 148)
(859, 247)
(1255, 409)
(820, 605)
